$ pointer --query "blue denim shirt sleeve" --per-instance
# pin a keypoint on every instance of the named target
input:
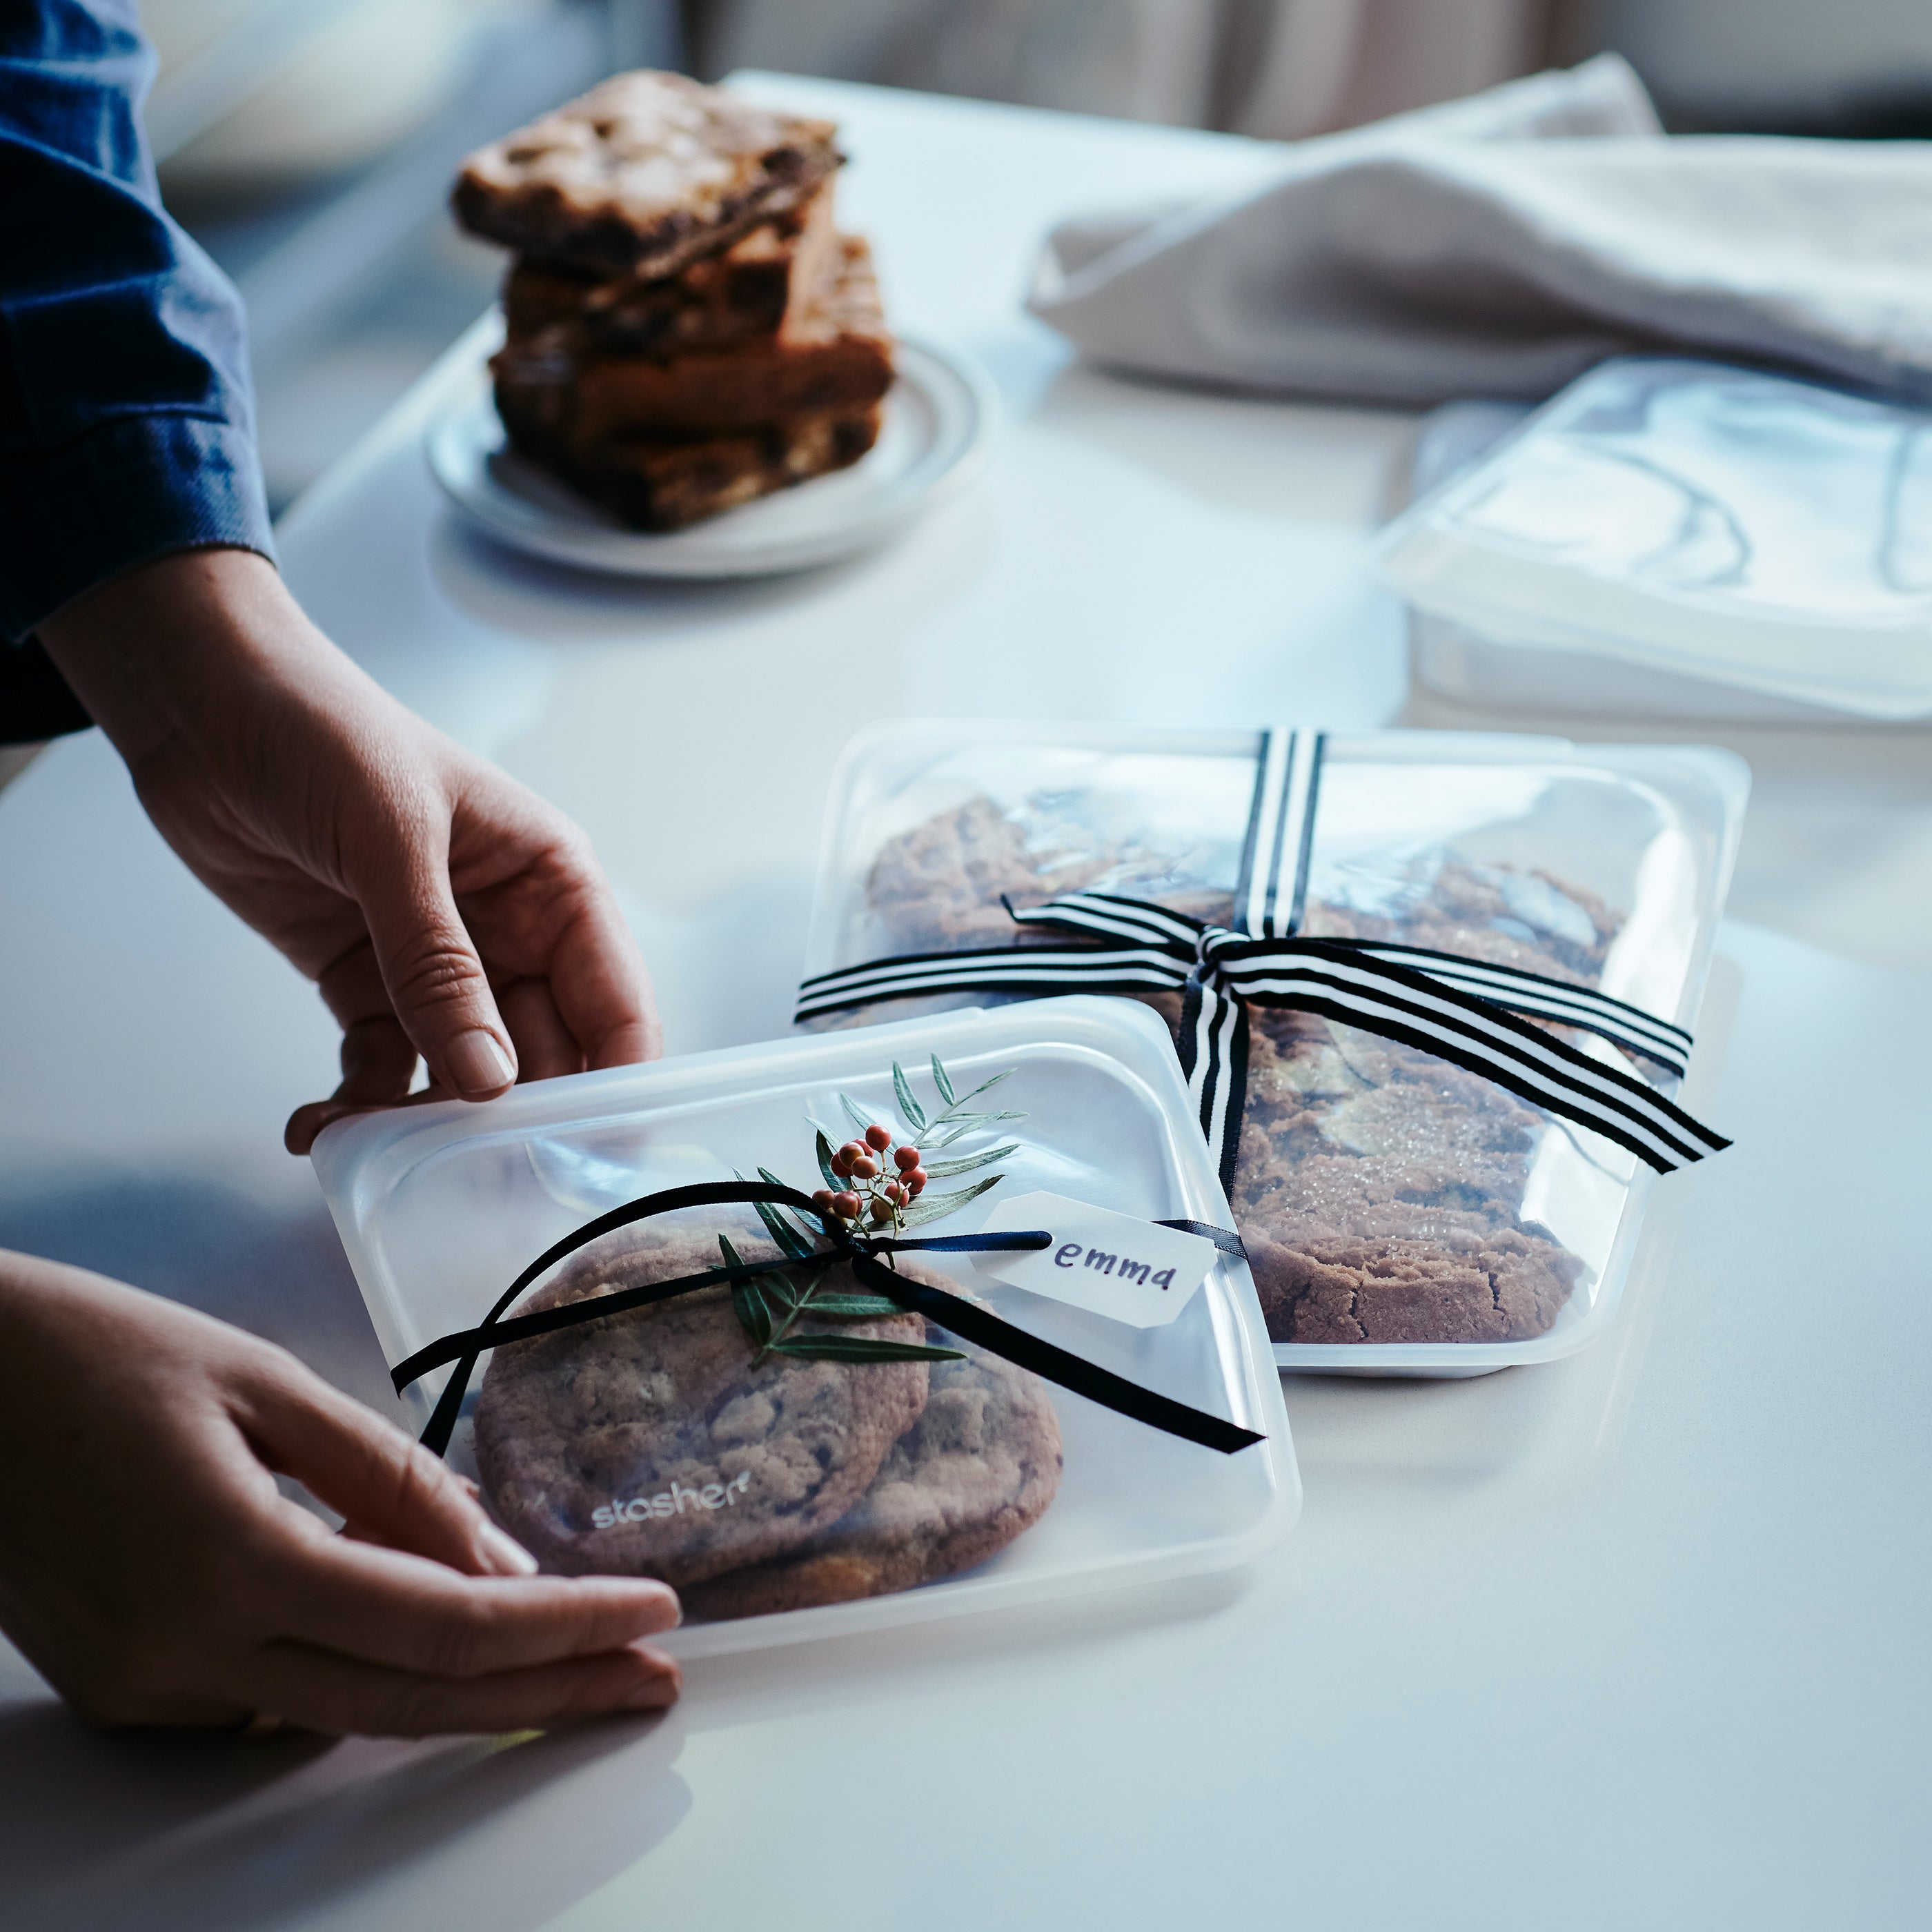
(126, 426)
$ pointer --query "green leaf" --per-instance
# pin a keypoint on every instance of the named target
(747, 1304)
(931, 1206)
(852, 1307)
(754, 1317)
(832, 1180)
(985, 1086)
(943, 1080)
(801, 1303)
(788, 1238)
(908, 1106)
(938, 1170)
(856, 1113)
(773, 1286)
(861, 1349)
(968, 1123)
(807, 1231)
(773, 1283)
(798, 1301)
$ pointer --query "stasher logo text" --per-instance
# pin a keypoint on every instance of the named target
(673, 1502)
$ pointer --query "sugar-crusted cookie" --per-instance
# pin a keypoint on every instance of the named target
(1380, 1190)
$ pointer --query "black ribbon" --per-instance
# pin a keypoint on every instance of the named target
(1476, 1016)
(972, 1324)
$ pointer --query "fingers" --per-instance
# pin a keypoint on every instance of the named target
(324, 1692)
(436, 983)
(393, 1640)
(571, 991)
(386, 1607)
(602, 992)
(545, 1046)
(379, 1059)
(393, 1490)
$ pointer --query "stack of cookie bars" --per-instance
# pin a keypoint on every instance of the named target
(686, 327)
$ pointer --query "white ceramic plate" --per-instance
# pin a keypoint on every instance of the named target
(936, 417)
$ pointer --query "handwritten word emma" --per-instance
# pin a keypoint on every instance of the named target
(1122, 1267)
(673, 1502)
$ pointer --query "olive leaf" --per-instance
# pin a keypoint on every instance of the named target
(795, 1245)
(856, 1113)
(832, 1180)
(861, 1349)
(939, 1170)
(908, 1105)
(806, 1231)
(853, 1307)
(985, 1086)
(942, 1081)
(931, 1206)
(966, 1124)
(748, 1303)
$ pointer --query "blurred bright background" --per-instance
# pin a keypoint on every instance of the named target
(309, 144)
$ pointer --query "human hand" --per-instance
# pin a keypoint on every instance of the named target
(442, 909)
(153, 1573)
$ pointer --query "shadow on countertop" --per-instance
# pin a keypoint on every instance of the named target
(133, 1833)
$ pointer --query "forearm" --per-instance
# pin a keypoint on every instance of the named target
(126, 421)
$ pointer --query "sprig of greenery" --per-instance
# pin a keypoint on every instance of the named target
(770, 1305)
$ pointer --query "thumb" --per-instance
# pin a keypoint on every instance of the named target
(387, 1489)
(434, 980)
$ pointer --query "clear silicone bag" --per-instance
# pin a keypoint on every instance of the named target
(1403, 1216)
(655, 1442)
(1720, 527)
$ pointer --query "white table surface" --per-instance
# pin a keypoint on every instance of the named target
(1638, 1639)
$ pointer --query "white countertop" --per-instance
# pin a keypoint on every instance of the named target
(1636, 1638)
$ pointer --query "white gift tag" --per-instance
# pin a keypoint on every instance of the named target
(1114, 1264)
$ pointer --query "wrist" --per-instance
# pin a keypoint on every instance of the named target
(177, 650)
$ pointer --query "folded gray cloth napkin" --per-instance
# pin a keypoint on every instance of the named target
(1501, 244)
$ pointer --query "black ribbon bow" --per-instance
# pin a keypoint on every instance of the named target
(963, 1318)
(1462, 1010)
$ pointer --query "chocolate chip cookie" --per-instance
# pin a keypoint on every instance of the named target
(979, 1467)
(647, 1444)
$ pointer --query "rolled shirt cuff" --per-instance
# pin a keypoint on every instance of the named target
(133, 489)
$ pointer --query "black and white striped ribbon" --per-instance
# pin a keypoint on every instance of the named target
(1273, 894)
(1463, 1011)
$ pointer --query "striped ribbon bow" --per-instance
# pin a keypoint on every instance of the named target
(1461, 1010)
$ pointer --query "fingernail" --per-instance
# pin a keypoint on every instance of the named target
(477, 1063)
(499, 1552)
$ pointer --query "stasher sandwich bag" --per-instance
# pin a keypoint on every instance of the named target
(1432, 991)
(629, 1304)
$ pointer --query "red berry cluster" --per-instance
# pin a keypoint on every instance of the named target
(876, 1200)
